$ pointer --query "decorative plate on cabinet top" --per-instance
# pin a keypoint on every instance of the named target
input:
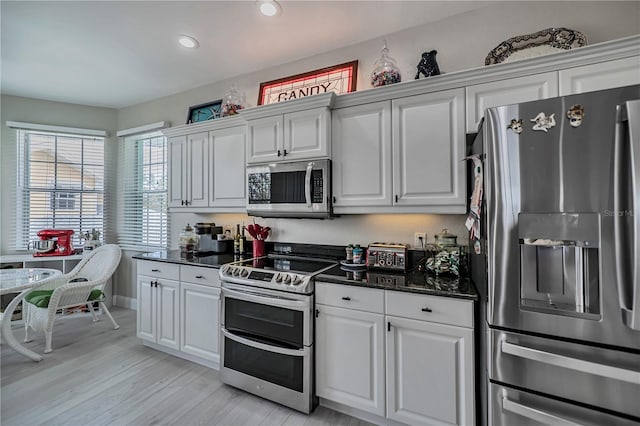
(543, 42)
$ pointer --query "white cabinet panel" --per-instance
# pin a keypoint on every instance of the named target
(306, 134)
(428, 149)
(350, 358)
(506, 92)
(167, 320)
(362, 155)
(429, 373)
(227, 157)
(198, 170)
(200, 319)
(146, 312)
(177, 171)
(265, 139)
(600, 76)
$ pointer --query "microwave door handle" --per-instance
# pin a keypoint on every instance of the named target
(534, 413)
(262, 346)
(629, 118)
(307, 183)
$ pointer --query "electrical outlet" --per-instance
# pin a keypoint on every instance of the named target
(419, 240)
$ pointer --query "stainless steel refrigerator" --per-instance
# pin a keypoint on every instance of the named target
(558, 260)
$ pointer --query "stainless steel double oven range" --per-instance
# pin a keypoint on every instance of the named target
(267, 329)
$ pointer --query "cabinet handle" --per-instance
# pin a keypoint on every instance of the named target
(334, 200)
(186, 202)
(347, 298)
(317, 313)
(279, 153)
(389, 326)
(182, 202)
(396, 198)
(426, 310)
(199, 276)
(155, 270)
(285, 153)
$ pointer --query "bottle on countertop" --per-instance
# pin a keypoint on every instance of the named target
(357, 254)
(349, 250)
(243, 242)
(236, 241)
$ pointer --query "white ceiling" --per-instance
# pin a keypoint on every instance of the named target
(120, 53)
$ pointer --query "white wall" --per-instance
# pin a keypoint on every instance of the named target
(462, 42)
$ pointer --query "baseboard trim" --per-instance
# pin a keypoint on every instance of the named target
(207, 363)
(359, 414)
(125, 302)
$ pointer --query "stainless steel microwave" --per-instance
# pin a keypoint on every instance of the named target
(298, 189)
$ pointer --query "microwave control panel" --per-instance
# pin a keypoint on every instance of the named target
(317, 188)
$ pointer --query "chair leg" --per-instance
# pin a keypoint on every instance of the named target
(106, 311)
(47, 341)
(27, 337)
(93, 313)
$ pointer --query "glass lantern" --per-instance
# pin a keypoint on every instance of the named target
(232, 104)
(385, 70)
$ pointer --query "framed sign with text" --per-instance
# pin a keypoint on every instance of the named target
(338, 78)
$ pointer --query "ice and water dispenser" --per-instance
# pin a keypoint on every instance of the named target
(559, 272)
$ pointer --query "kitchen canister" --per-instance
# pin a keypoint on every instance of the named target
(188, 240)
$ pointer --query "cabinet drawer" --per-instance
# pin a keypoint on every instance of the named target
(200, 275)
(351, 297)
(442, 310)
(165, 270)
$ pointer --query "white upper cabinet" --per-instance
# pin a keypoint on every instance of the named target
(227, 187)
(362, 155)
(506, 92)
(428, 149)
(198, 169)
(177, 171)
(600, 76)
(297, 135)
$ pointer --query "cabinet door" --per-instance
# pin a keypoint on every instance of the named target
(600, 76)
(506, 92)
(362, 155)
(265, 139)
(167, 297)
(227, 157)
(306, 134)
(146, 312)
(200, 319)
(177, 171)
(428, 149)
(350, 358)
(429, 373)
(198, 170)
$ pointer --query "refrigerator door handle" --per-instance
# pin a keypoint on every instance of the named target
(587, 367)
(629, 118)
(534, 413)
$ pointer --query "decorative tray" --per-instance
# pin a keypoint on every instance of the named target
(543, 42)
(353, 265)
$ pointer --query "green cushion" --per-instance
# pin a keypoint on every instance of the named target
(40, 298)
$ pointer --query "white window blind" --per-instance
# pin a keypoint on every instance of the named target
(144, 219)
(60, 184)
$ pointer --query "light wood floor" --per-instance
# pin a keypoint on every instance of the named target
(100, 376)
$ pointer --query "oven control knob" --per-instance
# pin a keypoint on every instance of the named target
(286, 279)
(224, 269)
(296, 280)
(278, 278)
(235, 272)
(244, 273)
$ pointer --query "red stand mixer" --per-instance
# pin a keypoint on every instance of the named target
(53, 242)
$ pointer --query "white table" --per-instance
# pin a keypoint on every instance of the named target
(21, 281)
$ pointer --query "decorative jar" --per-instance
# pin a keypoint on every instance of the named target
(385, 70)
(231, 104)
(188, 241)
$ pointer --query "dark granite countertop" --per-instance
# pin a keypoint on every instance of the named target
(174, 256)
(411, 282)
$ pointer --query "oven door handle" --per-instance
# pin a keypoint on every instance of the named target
(252, 343)
(534, 413)
(251, 296)
(307, 183)
(562, 361)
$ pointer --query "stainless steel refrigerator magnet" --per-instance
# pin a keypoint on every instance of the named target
(543, 122)
(575, 115)
(516, 126)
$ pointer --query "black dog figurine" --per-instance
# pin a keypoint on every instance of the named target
(428, 65)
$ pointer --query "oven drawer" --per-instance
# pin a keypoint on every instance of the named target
(587, 374)
(351, 297)
(514, 407)
(200, 275)
(169, 271)
(444, 310)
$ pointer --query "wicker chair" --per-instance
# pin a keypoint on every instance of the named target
(82, 286)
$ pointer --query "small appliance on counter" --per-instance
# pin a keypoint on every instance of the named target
(209, 240)
(387, 256)
(53, 242)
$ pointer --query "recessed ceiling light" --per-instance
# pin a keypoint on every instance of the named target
(269, 7)
(188, 41)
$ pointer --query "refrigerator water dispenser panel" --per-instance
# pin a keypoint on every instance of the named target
(559, 264)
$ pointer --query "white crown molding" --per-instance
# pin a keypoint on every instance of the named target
(205, 126)
(325, 100)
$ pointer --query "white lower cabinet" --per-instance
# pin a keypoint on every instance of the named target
(429, 373)
(400, 356)
(158, 311)
(350, 358)
(179, 310)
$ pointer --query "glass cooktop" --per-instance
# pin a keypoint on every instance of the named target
(300, 265)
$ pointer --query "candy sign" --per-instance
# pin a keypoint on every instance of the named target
(338, 78)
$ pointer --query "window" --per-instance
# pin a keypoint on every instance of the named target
(144, 215)
(60, 184)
